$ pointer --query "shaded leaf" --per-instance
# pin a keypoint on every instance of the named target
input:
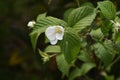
(108, 9)
(70, 45)
(85, 68)
(97, 34)
(66, 14)
(63, 66)
(41, 16)
(84, 56)
(105, 52)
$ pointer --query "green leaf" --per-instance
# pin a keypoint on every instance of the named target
(81, 17)
(88, 4)
(41, 16)
(106, 27)
(85, 68)
(70, 45)
(63, 66)
(108, 77)
(66, 14)
(50, 21)
(84, 56)
(34, 36)
(53, 49)
(105, 51)
(108, 9)
(97, 34)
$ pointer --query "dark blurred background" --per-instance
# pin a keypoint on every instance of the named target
(17, 59)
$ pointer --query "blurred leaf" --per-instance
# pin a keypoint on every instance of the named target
(105, 52)
(116, 35)
(70, 45)
(16, 58)
(106, 27)
(84, 56)
(108, 77)
(63, 66)
(85, 68)
(108, 9)
(53, 49)
(97, 34)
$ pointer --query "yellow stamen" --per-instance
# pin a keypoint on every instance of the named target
(58, 30)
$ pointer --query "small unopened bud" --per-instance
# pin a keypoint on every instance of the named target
(31, 24)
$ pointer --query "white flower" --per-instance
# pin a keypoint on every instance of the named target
(54, 33)
(116, 25)
(31, 24)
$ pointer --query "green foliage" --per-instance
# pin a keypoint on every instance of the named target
(82, 17)
(84, 56)
(85, 68)
(95, 43)
(63, 66)
(53, 49)
(70, 45)
(105, 51)
(108, 9)
(97, 34)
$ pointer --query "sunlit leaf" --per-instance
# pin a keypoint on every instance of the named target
(53, 49)
(41, 16)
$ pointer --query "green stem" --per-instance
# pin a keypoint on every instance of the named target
(78, 3)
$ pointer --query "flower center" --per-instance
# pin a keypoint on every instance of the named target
(58, 30)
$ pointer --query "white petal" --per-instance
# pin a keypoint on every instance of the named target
(117, 24)
(53, 42)
(50, 33)
(59, 36)
(62, 29)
